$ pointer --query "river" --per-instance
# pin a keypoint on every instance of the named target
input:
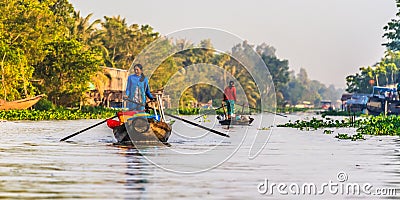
(282, 163)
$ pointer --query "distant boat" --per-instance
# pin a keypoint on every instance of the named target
(239, 120)
(20, 104)
(382, 101)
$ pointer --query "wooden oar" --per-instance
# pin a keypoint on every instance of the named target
(266, 111)
(81, 131)
(208, 113)
(184, 120)
(198, 125)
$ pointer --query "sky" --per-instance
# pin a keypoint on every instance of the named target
(330, 39)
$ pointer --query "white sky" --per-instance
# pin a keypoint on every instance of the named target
(330, 39)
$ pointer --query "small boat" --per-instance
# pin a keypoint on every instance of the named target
(238, 120)
(358, 103)
(20, 104)
(380, 102)
(140, 126)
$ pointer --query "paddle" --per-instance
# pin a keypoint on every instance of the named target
(81, 131)
(266, 111)
(208, 112)
(184, 120)
(198, 125)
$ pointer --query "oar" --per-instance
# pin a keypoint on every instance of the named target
(184, 120)
(266, 111)
(81, 131)
(198, 125)
(208, 112)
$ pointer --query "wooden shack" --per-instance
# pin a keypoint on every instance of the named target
(115, 87)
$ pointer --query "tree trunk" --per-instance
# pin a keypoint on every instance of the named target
(2, 77)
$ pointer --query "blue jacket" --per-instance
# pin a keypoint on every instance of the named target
(132, 84)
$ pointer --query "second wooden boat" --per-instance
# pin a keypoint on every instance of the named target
(238, 120)
(20, 104)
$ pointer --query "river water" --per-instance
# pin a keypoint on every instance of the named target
(197, 164)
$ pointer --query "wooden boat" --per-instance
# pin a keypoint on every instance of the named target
(140, 126)
(376, 106)
(358, 103)
(20, 104)
(238, 120)
(379, 103)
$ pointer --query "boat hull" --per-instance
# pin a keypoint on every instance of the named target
(241, 121)
(20, 104)
(376, 106)
(142, 131)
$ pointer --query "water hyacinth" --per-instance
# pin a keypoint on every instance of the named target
(380, 125)
(371, 125)
(315, 123)
(58, 114)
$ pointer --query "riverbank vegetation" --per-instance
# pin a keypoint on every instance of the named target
(57, 114)
(45, 110)
(368, 125)
(386, 71)
(47, 47)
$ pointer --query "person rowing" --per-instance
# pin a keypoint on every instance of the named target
(230, 99)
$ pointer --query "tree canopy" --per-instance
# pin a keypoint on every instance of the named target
(386, 71)
(48, 47)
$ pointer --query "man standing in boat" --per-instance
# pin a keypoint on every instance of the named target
(230, 99)
(137, 89)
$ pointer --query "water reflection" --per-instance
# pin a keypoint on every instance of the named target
(394, 164)
(137, 172)
(35, 165)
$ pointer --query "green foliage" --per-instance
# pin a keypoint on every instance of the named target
(340, 113)
(188, 111)
(44, 104)
(315, 124)
(291, 109)
(194, 63)
(279, 70)
(184, 111)
(392, 31)
(15, 73)
(372, 125)
(360, 82)
(50, 43)
(25, 26)
(345, 136)
(380, 125)
(122, 43)
(66, 70)
(385, 72)
(58, 114)
(300, 88)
